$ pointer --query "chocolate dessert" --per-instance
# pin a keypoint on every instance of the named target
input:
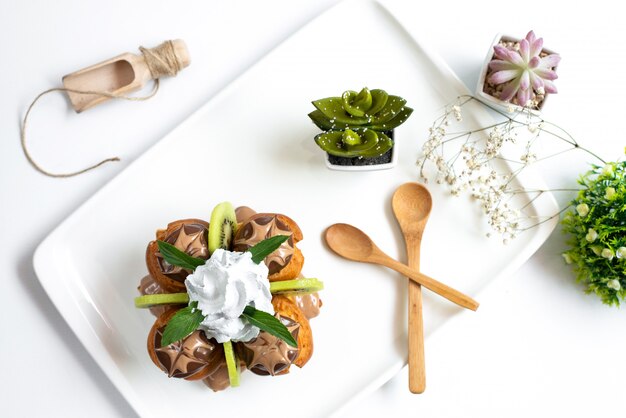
(228, 296)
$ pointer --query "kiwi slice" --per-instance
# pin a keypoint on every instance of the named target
(232, 365)
(148, 301)
(222, 227)
(296, 286)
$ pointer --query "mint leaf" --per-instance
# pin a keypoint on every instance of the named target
(179, 258)
(183, 323)
(269, 324)
(264, 248)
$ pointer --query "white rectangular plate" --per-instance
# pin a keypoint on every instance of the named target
(253, 145)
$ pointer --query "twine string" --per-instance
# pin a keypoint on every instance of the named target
(161, 60)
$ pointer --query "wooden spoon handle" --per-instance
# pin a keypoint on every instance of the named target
(439, 288)
(417, 362)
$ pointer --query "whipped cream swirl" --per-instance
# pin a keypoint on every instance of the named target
(227, 283)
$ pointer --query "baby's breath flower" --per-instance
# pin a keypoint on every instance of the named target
(582, 209)
(456, 109)
(592, 235)
(609, 193)
(621, 252)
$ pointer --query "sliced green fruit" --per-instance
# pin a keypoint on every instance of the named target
(297, 286)
(379, 100)
(383, 145)
(148, 301)
(350, 137)
(332, 108)
(222, 227)
(394, 105)
(393, 123)
(231, 364)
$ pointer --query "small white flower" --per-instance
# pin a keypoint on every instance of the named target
(592, 235)
(621, 252)
(541, 90)
(456, 109)
(609, 193)
(582, 209)
(607, 253)
(614, 284)
(567, 258)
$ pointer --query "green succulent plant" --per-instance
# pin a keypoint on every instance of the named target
(348, 143)
(354, 124)
(597, 229)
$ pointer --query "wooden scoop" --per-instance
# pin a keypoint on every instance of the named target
(353, 244)
(122, 75)
(412, 204)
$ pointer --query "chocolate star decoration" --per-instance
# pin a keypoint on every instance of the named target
(267, 354)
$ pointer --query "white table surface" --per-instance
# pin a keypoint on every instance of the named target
(537, 346)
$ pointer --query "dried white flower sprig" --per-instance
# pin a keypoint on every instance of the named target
(484, 161)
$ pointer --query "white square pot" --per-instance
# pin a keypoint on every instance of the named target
(493, 101)
(373, 167)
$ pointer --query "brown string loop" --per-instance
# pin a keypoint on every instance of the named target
(161, 60)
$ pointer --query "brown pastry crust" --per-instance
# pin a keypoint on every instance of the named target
(293, 268)
(209, 368)
(168, 284)
(286, 307)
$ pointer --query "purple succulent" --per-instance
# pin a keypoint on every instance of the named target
(525, 73)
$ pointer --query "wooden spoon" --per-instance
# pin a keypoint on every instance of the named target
(353, 244)
(411, 205)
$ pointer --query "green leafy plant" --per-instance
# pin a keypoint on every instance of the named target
(354, 124)
(597, 229)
